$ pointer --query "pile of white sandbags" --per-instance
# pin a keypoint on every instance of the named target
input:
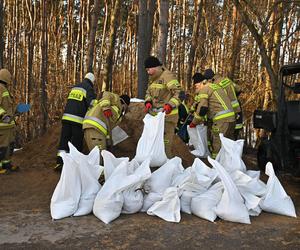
(226, 190)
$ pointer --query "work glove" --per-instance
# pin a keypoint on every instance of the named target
(107, 113)
(167, 108)
(6, 119)
(148, 106)
(192, 125)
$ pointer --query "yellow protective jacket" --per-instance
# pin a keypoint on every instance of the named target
(163, 89)
(216, 100)
(95, 118)
(6, 107)
(230, 88)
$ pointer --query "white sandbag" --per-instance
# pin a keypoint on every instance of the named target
(231, 207)
(168, 208)
(248, 183)
(162, 178)
(253, 173)
(66, 196)
(251, 202)
(230, 154)
(133, 201)
(149, 200)
(179, 179)
(151, 144)
(276, 199)
(118, 135)
(205, 175)
(110, 162)
(204, 205)
(186, 192)
(133, 165)
(133, 196)
(251, 190)
(109, 200)
(89, 171)
(189, 186)
(198, 138)
(186, 199)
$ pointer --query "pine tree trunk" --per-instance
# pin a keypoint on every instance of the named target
(107, 85)
(195, 40)
(145, 27)
(163, 30)
(44, 62)
(92, 35)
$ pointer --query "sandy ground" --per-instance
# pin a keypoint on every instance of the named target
(25, 221)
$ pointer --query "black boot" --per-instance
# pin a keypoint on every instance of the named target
(9, 166)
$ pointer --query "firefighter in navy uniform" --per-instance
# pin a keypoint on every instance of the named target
(102, 118)
(81, 97)
(7, 124)
(163, 95)
(213, 102)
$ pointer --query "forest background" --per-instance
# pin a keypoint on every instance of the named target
(49, 45)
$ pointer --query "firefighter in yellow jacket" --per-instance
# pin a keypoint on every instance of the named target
(163, 95)
(212, 102)
(102, 118)
(232, 90)
(7, 124)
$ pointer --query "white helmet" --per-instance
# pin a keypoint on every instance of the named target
(90, 76)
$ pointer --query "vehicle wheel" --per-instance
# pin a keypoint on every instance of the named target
(267, 153)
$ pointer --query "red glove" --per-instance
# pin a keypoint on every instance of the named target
(167, 108)
(192, 125)
(107, 113)
(148, 106)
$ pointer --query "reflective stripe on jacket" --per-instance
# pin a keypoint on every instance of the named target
(164, 88)
(95, 118)
(80, 98)
(217, 102)
(229, 87)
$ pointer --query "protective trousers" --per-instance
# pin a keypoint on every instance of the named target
(70, 132)
(169, 135)
(238, 126)
(225, 128)
(7, 138)
(94, 138)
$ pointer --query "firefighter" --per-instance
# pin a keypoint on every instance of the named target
(232, 90)
(163, 95)
(102, 118)
(80, 98)
(212, 102)
(7, 124)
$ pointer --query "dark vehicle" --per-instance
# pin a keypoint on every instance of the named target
(282, 146)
